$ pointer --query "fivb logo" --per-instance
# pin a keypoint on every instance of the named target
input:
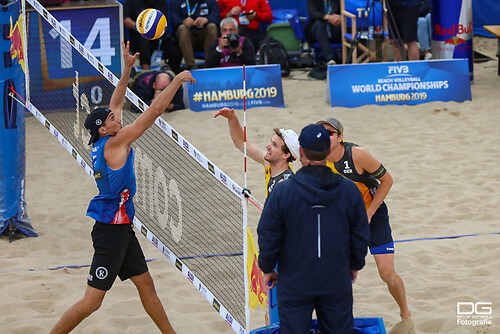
(474, 314)
(403, 69)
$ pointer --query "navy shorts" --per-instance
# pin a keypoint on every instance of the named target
(380, 230)
(406, 20)
(116, 253)
(334, 312)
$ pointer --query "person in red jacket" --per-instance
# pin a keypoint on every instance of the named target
(249, 14)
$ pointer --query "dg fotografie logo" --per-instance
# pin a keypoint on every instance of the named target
(474, 314)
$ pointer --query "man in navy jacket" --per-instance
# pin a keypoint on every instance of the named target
(314, 225)
(195, 25)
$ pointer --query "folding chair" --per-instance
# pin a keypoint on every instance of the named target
(359, 25)
(284, 33)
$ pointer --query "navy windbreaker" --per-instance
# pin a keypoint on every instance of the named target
(315, 226)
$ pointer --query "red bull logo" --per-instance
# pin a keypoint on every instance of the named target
(16, 37)
(257, 281)
(455, 41)
(456, 29)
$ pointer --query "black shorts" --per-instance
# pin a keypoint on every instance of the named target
(116, 253)
(406, 20)
(380, 230)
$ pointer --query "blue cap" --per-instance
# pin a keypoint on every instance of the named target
(314, 137)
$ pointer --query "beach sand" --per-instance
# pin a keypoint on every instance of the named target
(443, 158)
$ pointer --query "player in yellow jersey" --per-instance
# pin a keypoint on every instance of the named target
(374, 182)
(280, 152)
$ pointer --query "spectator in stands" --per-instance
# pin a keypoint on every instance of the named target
(148, 85)
(166, 44)
(324, 27)
(195, 25)
(403, 28)
(424, 30)
(230, 49)
(248, 14)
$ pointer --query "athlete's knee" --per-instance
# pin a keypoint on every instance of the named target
(92, 300)
(90, 305)
(144, 283)
(388, 275)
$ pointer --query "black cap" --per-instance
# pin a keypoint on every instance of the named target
(94, 121)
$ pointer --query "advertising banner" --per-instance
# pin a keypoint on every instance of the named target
(223, 87)
(412, 82)
(452, 31)
(52, 71)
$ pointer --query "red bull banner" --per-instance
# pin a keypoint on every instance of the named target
(16, 37)
(257, 293)
(452, 31)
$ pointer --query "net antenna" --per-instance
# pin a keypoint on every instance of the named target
(244, 201)
(179, 190)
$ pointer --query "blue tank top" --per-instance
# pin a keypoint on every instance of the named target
(114, 204)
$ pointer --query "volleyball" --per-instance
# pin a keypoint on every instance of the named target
(151, 23)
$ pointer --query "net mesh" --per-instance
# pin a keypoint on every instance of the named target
(181, 202)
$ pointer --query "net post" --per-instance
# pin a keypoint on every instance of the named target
(244, 203)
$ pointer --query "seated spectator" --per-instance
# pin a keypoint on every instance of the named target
(166, 44)
(324, 26)
(230, 49)
(248, 14)
(149, 84)
(424, 31)
(195, 25)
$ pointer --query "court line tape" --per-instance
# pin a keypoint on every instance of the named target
(88, 265)
(447, 237)
(239, 253)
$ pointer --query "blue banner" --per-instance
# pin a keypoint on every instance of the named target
(412, 82)
(52, 58)
(223, 87)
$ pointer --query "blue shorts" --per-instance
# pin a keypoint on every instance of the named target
(380, 232)
(384, 249)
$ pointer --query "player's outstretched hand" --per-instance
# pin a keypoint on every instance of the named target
(226, 112)
(186, 76)
(128, 59)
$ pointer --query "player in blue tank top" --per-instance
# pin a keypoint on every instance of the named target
(114, 204)
(116, 249)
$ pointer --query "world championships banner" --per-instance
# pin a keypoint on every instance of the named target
(412, 83)
(223, 87)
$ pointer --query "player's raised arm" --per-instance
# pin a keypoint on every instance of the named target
(116, 103)
(133, 131)
(237, 135)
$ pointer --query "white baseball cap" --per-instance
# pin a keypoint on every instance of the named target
(291, 141)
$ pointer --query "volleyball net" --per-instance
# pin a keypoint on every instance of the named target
(185, 205)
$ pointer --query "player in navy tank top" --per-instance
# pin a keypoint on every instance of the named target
(374, 182)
